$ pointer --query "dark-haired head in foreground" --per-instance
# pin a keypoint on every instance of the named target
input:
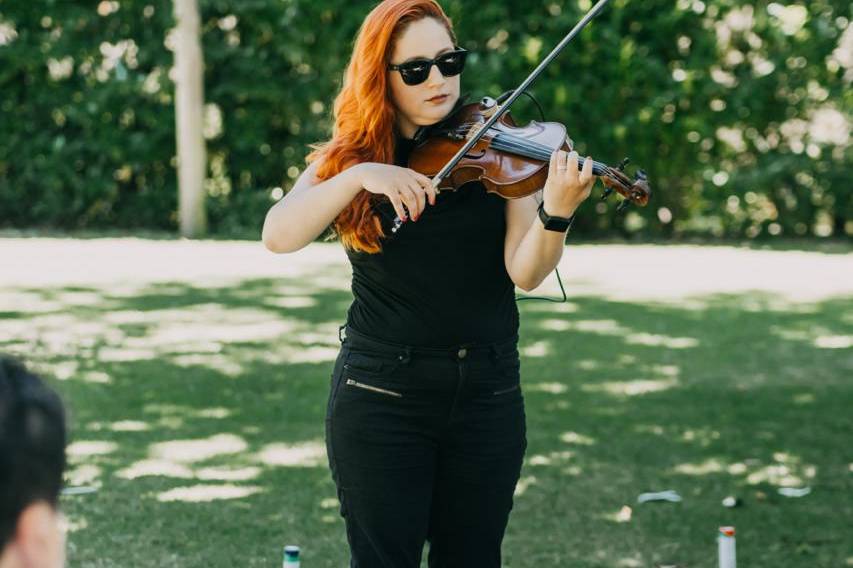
(32, 459)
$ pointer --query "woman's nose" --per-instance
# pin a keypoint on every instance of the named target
(435, 76)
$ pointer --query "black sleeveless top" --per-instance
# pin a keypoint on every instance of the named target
(439, 281)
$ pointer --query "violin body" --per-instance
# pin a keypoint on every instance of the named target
(509, 160)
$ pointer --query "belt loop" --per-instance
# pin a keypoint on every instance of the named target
(342, 334)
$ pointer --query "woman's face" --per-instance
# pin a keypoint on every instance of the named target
(426, 38)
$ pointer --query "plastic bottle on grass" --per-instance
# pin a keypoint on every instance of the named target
(291, 557)
(726, 547)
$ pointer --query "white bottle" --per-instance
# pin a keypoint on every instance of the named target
(291, 557)
(726, 547)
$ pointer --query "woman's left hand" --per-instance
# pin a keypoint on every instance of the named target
(567, 186)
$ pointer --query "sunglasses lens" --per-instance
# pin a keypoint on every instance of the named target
(449, 64)
(416, 73)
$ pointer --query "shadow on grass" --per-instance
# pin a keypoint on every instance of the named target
(199, 413)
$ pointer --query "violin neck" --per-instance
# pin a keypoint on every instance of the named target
(536, 151)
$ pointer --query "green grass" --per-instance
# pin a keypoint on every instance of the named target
(730, 395)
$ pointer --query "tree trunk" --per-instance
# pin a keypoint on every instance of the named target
(189, 108)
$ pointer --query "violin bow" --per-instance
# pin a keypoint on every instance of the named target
(502, 108)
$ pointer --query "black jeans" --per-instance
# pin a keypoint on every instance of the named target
(425, 444)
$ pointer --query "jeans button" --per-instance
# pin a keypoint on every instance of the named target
(462, 352)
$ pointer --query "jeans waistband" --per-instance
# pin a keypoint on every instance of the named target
(352, 338)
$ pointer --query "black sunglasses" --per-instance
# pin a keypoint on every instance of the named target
(416, 72)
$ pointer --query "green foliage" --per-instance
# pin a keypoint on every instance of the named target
(738, 111)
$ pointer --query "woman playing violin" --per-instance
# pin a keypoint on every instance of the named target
(425, 420)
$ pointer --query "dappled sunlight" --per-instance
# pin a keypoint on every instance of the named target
(191, 336)
(589, 364)
(786, 470)
(556, 405)
(550, 307)
(28, 301)
(58, 335)
(202, 493)
(834, 342)
(181, 329)
(661, 340)
(630, 563)
(86, 448)
(227, 474)
(84, 474)
(553, 458)
(215, 361)
(536, 349)
(330, 503)
(819, 336)
(73, 524)
(655, 429)
(631, 388)
(803, 398)
(710, 465)
(166, 468)
(162, 468)
(604, 327)
(305, 454)
(553, 388)
(703, 436)
(189, 451)
(523, 483)
(173, 415)
(554, 325)
(575, 438)
(292, 302)
(612, 327)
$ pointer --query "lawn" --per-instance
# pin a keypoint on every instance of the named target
(197, 373)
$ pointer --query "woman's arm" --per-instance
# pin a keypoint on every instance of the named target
(308, 209)
(530, 251)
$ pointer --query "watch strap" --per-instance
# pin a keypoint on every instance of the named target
(553, 222)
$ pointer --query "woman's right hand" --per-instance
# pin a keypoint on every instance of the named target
(403, 186)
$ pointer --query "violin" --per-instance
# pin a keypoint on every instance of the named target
(510, 160)
(481, 141)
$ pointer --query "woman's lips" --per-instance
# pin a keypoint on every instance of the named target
(439, 99)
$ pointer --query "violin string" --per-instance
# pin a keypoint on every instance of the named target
(538, 151)
(530, 149)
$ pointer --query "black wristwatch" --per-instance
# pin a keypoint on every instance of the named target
(553, 223)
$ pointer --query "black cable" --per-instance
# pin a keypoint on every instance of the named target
(503, 96)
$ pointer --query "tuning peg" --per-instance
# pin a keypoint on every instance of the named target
(641, 174)
(607, 192)
(622, 164)
(624, 205)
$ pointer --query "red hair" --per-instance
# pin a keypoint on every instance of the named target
(365, 115)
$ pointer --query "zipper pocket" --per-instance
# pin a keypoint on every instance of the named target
(512, 388)
(371, 387)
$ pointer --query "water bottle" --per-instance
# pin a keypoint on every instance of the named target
(726, 540)
(291, 557)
